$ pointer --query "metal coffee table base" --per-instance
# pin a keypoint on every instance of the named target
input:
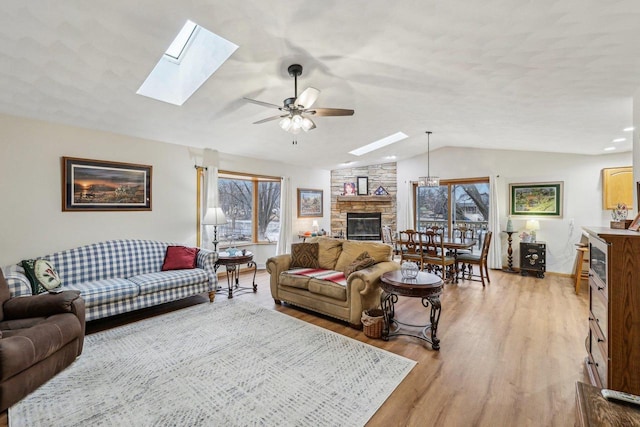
(393, 327)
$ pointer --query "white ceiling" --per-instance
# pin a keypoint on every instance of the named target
(548, 75)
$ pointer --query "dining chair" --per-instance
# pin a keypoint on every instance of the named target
(468, 260)
(463, 231)
(410, 247)
(435, 259)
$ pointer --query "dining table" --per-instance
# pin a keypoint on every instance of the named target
(454, 244)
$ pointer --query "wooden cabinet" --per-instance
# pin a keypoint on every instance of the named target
(533, 258)
(613, 340)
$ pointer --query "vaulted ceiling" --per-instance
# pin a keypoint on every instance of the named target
(547, 75)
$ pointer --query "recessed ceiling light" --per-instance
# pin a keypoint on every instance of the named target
(629, 129)
(348, 162)
(619, 140)
(609, 148)
(398, 136)
(390, 157)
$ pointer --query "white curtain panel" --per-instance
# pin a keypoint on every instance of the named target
(210, 200)
(494, 260)
(286, 236)
(410, 209)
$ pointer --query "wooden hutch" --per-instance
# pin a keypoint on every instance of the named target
(613, 341)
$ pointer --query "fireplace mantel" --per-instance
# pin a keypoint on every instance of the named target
(382, 199)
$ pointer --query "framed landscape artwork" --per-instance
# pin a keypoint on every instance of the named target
(96, 185)
(309, 203)
(536, 199)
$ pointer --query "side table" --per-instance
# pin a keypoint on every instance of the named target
(426, 286)
(232, 266)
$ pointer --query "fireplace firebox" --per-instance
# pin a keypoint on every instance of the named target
(364, 226)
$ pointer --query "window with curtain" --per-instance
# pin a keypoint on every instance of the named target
(453, 203)
(251, 204)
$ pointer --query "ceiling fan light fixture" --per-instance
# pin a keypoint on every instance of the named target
(307, 124)
(286, 123)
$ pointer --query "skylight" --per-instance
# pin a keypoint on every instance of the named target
(193, 56)
(179, 44)
(391, 139)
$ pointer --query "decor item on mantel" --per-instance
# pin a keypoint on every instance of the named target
(363, 186)
(428, 181)
(619, 217)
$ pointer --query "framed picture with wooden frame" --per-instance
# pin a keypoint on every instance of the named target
(98, 185)
(635, 225)
(536, 199)
(309, 203)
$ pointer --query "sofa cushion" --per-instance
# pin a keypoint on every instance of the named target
(294, 280)
(304, 255)
(100, 292)
(329, 250)
(42, 275)
(363, 260)
(179, 258)
(352, 249)
(154, 282)
(329, 289)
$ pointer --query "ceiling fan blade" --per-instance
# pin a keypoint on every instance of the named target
(268, 119)
(307, 97)
(330, 112)
(264, 104)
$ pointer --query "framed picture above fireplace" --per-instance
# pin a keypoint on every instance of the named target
(363, 186)
(309, 203)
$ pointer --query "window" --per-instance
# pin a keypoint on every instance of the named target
(454, 202)
(251, 204)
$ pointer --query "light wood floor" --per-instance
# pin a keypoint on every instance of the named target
(510, 353)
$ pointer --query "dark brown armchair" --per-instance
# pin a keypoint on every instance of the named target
(40, 335)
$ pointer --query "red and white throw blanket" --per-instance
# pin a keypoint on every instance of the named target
(318, 273)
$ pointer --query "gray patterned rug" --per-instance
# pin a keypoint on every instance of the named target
(230, 363)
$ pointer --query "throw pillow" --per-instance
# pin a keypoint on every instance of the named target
(363, 260)
(304, 255)
(180, 258)
(42, 275)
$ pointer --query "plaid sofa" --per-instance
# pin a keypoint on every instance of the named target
(117, 276)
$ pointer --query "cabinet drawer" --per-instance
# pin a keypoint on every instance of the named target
(596, 360)
(599, 338)
(598, 307)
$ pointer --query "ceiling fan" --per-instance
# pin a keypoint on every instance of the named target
(298, 109)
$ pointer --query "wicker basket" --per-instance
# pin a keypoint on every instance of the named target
(372, 322)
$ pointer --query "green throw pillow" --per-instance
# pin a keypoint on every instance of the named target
(42, 275)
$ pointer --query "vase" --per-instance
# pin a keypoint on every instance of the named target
(409, 270)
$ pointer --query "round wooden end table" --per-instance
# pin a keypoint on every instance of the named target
(426, 286)
(232, 266)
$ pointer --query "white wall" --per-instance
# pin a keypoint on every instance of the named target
(582, 190)
(32, 221)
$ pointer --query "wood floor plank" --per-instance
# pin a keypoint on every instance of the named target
(510, 354)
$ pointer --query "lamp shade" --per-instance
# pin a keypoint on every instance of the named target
(532, 225)
(214, 216)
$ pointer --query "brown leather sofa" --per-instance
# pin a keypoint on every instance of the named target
(40, 336)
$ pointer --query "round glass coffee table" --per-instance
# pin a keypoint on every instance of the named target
(426, 286)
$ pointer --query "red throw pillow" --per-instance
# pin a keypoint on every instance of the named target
(180, 258)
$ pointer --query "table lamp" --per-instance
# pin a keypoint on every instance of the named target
(532, 226)
(215, 217)
(315, 227)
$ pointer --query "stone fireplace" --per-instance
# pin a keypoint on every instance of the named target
(364, 226)
(381, 203)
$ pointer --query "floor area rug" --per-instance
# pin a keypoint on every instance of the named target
(231, 363)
